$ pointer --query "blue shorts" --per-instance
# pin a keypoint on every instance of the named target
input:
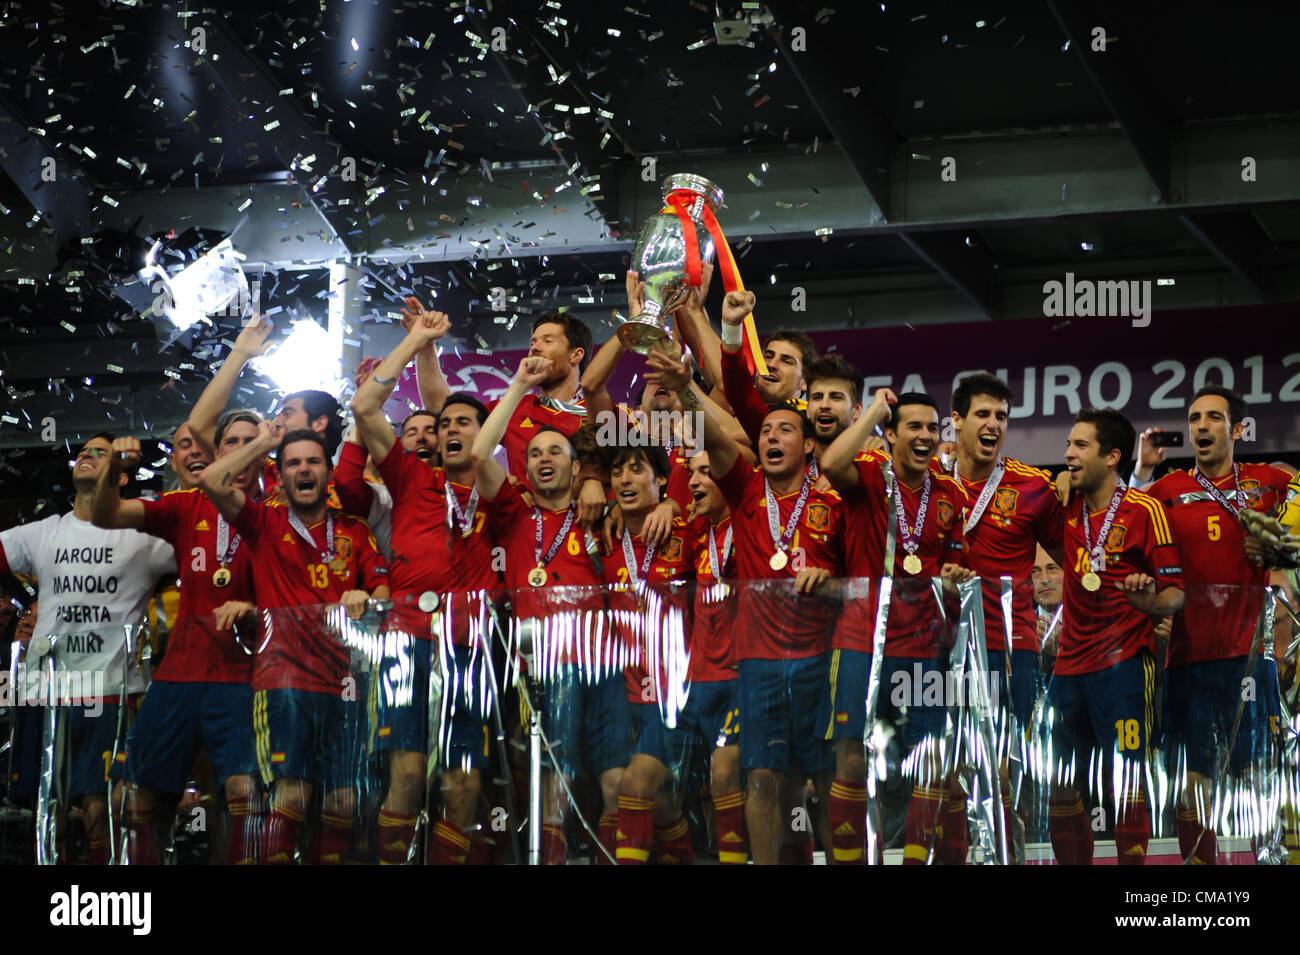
(1023, 683)
(26, 767)
(1112, 710)
(401, 717)
(900, 702)
(1201, 701)
(709, 720)
(589, 725)
(642, 716)
(782, 703)
(306, 735)
(176, 719)
(89, 748)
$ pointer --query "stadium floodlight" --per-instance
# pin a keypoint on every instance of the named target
(212, 284)
(308, 358)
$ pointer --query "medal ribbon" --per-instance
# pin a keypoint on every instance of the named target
(555, 544)
(629, 558)
(1097, 555)
(714, 561)
(226, 548)
(986, 495)
(1215, 493)
(456, 518)
(910, 538)
(782, 542)
(300, 529)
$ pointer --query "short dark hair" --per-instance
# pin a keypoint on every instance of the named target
(106, 435)
(315, 404)
(1113, 432)
(401, 429)
(300, 434)
(575, 331)
(233, 417)
(652, 454)
(1236, 403)
(807, 350)
(910, 398)
(464, 398)
(980, 383)
(834, 367)
(808, 430)
(573, 450)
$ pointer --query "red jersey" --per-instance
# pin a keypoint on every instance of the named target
(197, 652)
(1022, 510)
(426, 555)
(1225, 590)
(1101, 628)
(914, 628)
(679, 479)
(299, 648)
(713, 636)
(531, 415)
(656, 635)
(513, 527)
(774, 623)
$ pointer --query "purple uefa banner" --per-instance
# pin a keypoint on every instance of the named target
(1053, 365)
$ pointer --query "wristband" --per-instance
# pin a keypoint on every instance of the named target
(732, 334)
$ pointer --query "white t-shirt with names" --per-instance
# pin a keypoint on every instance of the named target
(92, 583)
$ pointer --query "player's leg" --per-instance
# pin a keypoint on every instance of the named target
(1189, 728)
(928, 808)
(720, 725)
(809, 703)
(1070, 832)
(1121, 703)
(226, 729)
(160, 747)
(609, 734)
(284, 758)
(764, 756)
(401, 691)
(562, 716)
(465, 755)
(90, 743)
(846, 725)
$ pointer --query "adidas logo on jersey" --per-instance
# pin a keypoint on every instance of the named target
(286, 539)
(527, 423)
(202, 525)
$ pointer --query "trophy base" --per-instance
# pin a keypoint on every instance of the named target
(645, 337)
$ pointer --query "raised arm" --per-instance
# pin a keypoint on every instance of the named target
(108, 510)
(737, 383)
(217, 479)
(253, 340)
(837, 460)
(373, 428)
(429, 379)
(698, 334)
(713, 435)
(596, 378)
(491, 475)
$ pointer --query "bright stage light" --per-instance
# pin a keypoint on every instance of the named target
(309, 357)
(207, 286)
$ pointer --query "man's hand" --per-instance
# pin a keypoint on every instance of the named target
(232, 612)
(1140, 589)
(672, 373)
(658, 525)
(125, 455)
(422, 326)
(525, 495)
(533, 371)
(737, 306)
(956, 573)
(882, 401)
(1149, 456)
(591, 503)
(254, 339)
(354, 602)
(635, 294)
(811, 579)
(367, 368)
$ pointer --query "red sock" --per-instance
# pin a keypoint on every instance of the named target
(332, 839)
(922, 812)
(848, 812)
(99, 851)
(448, 845)
(672, 844)
(142, 842)
(554, 849)
(246, 816)
(733, 839)
(279, 836)
(1196, 843)
(396, 830)
(955, 841)
(607, 838)
(1070, 832)
(635, 830)
(1132, 830)
(797, 853)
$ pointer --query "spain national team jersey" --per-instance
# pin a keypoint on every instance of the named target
(1225, 590)
(774, 623)
(679, 479)
(531, 415)
(1022, 510)
(196, 651)
(1102, 628)
(302, 650)
(713, 627)
(914, 624)
(652, 632)
(425, 555)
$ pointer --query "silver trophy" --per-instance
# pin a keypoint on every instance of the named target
(660, 262)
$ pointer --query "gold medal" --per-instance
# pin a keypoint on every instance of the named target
(221, 578)
(537, 577)
(912, 564)
(779, 560)
(1091, 582)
